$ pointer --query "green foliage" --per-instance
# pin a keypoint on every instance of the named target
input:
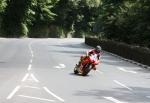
(76, 15)
(2, 5)
(40, 16)
(121, 20)
(22, 14)
(125, 20)
(2, 9)
(14, 18)
(41, 9)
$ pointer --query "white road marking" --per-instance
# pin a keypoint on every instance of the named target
(122, 84)
(62, 65)
(99, 71)
(124, 70)
(31, 87)
(31, 61)
(114, 100)
(57, 67)
(48, 91)
(36, 98)
(148, 96)
(32, 54)
(132, 72)
(29, 67)
(25, 77)
(34, 78)
(13, 92)
(30, 48)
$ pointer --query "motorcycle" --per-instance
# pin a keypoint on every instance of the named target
(87, 64)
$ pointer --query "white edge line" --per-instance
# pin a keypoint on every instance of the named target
(148, 96)
(114, 100)
(46, 89)
(13, 92)
(133, 72)
(25, 77)
(34, 78)
(36, 98)
(122, 69)
(122, 84)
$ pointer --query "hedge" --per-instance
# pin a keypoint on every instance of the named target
(136, 53)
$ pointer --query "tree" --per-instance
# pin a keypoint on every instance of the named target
(2, 9)
(13, 23)
(40, 16)
(2, 5)
(125, 20)
(76, 15)
(20, 14)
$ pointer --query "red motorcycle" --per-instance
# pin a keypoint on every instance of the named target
(87, 64)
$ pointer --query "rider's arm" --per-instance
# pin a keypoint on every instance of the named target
(89, 52)
(99, 56)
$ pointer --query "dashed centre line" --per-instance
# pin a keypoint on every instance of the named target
(31, 61)
(29, 67)
(31, 50)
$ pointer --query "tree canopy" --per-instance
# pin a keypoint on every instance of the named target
(120, 20)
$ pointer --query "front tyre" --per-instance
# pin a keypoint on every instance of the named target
(86, 70)
(75, 70)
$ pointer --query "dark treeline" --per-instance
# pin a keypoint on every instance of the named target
(120, 20)
(125, 20)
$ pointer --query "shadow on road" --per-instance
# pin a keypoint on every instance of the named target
(137, 96)
(72, 74)
(78, 49)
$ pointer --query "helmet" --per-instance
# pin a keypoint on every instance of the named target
(98, 49)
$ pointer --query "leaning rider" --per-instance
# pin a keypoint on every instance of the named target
(96, 51)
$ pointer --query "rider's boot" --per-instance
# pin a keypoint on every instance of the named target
(94, 67)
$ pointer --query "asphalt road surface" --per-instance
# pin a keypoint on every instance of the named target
(41, 71)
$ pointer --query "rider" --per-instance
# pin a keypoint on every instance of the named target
(96, 51)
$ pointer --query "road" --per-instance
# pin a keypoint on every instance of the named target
(41, 71)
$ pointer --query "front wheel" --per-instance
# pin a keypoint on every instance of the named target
(75, 70)
(86, 70)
